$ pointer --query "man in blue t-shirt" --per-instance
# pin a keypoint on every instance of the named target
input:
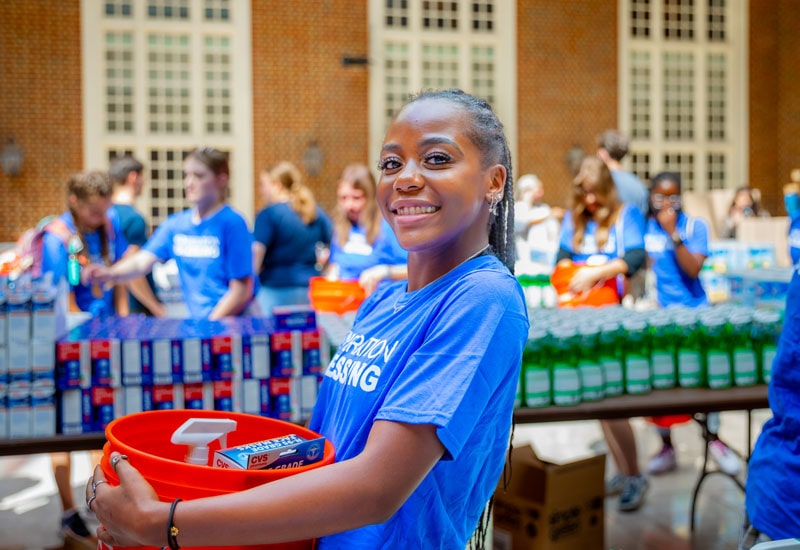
(612, 147)
(127, 176)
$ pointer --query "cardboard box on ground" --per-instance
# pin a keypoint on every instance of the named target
(549, 506)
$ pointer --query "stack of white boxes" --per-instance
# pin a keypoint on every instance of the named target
(116, 366)
(27, 360)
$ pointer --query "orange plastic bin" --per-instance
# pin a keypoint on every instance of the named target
(145, 439)
(334, 296)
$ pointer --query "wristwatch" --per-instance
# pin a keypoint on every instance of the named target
(676, 238)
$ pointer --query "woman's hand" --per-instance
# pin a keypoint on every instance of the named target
(125, 512)
(585, 278)
(667, 218)
(370, 277)
(97, 274)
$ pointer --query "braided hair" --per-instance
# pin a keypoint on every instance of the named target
(488, 135)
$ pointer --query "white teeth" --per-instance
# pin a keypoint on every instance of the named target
(413, 210)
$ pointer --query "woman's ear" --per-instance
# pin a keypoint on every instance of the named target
(496, 180)
(72, 201)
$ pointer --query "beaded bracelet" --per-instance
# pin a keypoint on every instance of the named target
(172, 531)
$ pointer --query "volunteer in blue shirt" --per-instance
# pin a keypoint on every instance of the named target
(364, 247)
(210, 243)
(418, 399)
(93, 227)
(772, 496)
(676, 244)
(605, 237)
(287, 235)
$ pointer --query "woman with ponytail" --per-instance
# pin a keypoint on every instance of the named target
(288, 232)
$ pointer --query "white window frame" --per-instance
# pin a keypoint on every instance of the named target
(504, 40)
(735, 146)
(97, 141)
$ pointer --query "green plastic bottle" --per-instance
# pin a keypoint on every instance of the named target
(663, 354)
(536, 381)
(719, 373)
(610, 351)
(689, 351)
(565, 377)
(766, 333)
(589, 367)
(637, 370)
(743, 354)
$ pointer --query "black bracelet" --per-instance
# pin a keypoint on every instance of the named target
(172, 531)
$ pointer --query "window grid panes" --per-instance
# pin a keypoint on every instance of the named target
(396, 14)
(679, 20)
(217, 10)
(118, 8)
(717, 22)
(640, 165)
(716, 172)
(396, 78)
(439, 66)
(715, 93)
(483, 71)
(168, 9)
(217, 73)
(167, 80)
(678, 105)
(683, 164)
(682, 89)
(119, 83)
(439, 15)
(169, 84)
(166, 183)
(640, 18)
(640, 95)
(482, 16)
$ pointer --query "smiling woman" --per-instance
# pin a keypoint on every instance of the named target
(418, 399)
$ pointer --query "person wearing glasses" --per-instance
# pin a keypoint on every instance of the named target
(677, 246)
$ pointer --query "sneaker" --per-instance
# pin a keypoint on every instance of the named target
(663, 462)
(615, 484)
(72, 523)
(726, 459)
(633, 493)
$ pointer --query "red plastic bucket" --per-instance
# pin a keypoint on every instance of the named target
(334, 296)
(145, 439)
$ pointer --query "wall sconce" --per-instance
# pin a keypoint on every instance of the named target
(11, 158)
(313, 158)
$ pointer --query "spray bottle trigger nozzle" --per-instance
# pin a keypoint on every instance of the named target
(198, 433)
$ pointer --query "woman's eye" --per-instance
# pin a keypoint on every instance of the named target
(437, 158)
(388, 164)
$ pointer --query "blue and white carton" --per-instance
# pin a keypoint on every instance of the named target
(290, 451)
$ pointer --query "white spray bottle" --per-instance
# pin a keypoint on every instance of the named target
(198, 433)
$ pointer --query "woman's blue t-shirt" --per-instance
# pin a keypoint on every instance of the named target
(209, 254)
(55, 257)
(290, 256)
(673, 286)
(448, 355)
(357, 254)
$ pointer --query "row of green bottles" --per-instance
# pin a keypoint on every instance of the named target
(587, 354)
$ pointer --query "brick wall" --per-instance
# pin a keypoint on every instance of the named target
(567, 85)
(774, 66)
(40, 107)
(301, 91)
(567, 64)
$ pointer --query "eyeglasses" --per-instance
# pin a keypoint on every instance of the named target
(658, 198)
(583, 192)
